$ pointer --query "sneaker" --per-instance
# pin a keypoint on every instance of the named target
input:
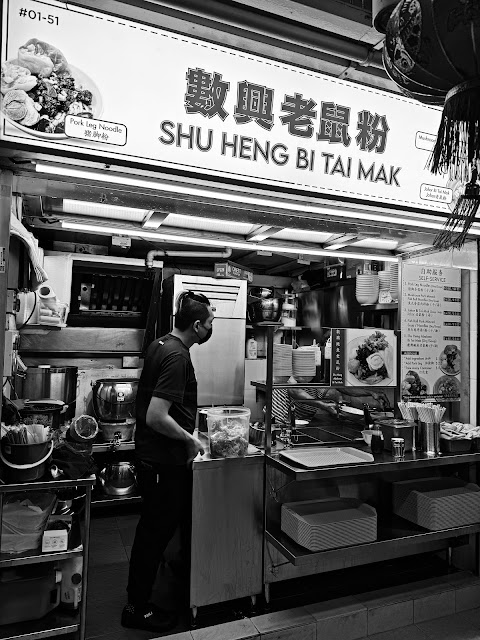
(148, 618)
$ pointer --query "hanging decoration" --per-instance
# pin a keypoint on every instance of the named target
(431, 52)
(455, 231)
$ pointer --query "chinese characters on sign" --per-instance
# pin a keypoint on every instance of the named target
(431, 333)
(206, 94)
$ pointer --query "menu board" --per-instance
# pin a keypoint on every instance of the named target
(431, 333)
(363, 358)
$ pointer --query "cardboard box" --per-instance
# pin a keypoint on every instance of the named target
(231, 270)
(56, 534)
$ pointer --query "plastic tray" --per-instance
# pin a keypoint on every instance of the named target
(329, 523)
(316, 457)
(437, 503)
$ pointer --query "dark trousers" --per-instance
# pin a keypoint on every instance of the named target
(167, 503)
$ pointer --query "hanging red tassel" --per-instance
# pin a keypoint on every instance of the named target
(455, 230)
(457, 147)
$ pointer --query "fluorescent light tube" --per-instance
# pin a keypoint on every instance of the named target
(150, 235)
(421, 221)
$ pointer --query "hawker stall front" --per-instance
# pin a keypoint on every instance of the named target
(337, 398)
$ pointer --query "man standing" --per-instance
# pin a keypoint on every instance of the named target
(164, 450)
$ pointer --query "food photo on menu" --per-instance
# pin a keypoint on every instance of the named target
(413, 385)
(39, 88)
(370, 359)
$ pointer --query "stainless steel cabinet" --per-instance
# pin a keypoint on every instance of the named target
(227, 530)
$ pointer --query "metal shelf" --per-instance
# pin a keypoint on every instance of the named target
(53, 624)
(9, 560)
(47, 484)
(397, 531)
(390, 306)
(285, 385)
(383, 463)
(114, 501)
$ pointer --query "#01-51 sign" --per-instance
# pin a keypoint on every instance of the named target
(85, 82)
(431, 333)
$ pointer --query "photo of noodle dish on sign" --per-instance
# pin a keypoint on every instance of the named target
(370, 360)
(39, 88)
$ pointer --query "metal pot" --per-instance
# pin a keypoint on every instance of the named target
(114, 398)
(268, 309)
(53, 383)
(118, 479)
(117, 431)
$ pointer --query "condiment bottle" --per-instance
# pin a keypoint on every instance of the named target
(367, 417)
(251, 347)
(377, 444)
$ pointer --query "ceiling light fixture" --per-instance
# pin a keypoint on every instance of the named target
(340, 241)
(262, 232)
(245, 246)
(417, 220)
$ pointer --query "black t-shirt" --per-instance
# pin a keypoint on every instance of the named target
(167, 373)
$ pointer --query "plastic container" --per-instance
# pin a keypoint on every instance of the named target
(460, 445)
(28, 592)
(396, 428)
(72, 578)
(228, 431)
(251, 348)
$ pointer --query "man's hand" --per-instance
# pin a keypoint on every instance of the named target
(194, 447)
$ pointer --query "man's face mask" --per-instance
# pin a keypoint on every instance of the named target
(204, 334)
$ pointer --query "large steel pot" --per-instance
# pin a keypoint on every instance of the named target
(50, 383)
(114, 398)
(268, 309)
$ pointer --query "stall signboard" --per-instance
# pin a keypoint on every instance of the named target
(431, 333)
(363, 358)
(95, 85)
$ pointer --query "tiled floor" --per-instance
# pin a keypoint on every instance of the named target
(437, 608)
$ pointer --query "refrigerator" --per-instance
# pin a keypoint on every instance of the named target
(219, 363)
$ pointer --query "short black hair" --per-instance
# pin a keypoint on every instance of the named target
(191, 306)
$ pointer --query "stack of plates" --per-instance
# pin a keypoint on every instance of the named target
(282, 362)
(437, 503)
(303, 364)
(318, 525)
(394, 287)
(367, 287)
(384, 280)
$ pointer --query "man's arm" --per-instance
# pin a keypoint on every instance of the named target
(162, 422)
(302, 395)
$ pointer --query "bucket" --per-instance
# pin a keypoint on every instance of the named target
(24, 453)
(26, 472)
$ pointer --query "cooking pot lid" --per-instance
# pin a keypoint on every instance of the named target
(41, 404)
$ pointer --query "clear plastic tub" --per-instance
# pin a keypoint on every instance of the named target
(228, 431)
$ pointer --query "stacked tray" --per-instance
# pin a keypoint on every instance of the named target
(437, 503)
(329, 523)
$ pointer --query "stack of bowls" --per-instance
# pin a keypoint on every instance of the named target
(394, 285)
(384, 280)
(367, 287)
(282, 362)
(304, 364)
